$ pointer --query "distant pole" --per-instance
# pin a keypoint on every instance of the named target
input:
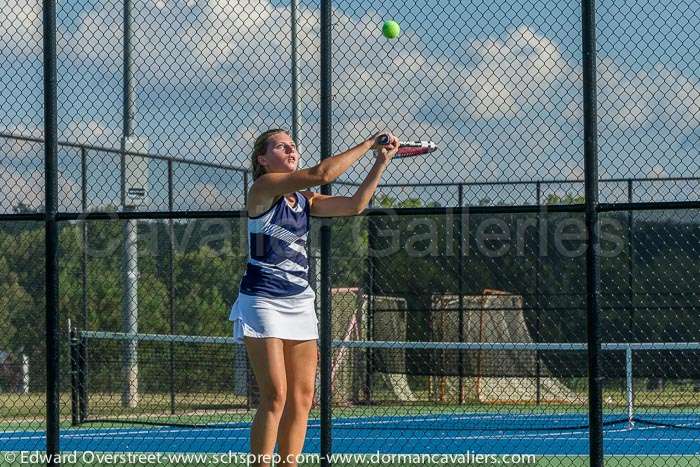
(171, 286)
(295, 73)
(130, 308)
(81, 350)
(84, 235)
(538, 292)
(630, 258)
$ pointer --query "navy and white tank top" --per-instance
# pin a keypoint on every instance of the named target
(277, 261)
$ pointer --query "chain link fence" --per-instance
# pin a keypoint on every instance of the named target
(458, 304)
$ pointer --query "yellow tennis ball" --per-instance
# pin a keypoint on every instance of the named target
(391, 29)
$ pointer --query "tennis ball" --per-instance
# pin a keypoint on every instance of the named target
(391, 29)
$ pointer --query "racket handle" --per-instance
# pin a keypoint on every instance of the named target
(383, 139)
(409, 148)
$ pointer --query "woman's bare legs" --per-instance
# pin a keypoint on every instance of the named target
(300, 359)
(266, 357)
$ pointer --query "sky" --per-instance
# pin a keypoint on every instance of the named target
(496, 84)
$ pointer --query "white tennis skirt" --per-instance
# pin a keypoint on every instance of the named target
(291, 318)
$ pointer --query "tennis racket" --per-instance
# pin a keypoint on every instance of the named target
(409, 148)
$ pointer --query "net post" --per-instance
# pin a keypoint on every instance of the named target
(371, 236)
(82, 378)
(74, 397)
(460, 290)
(629, 387)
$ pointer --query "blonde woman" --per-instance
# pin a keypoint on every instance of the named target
(274, 313)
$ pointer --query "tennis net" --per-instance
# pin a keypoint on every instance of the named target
(200, 380)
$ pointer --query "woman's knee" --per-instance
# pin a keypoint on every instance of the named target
(302, 399)
(273, 398)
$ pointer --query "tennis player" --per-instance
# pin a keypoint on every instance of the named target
(274, 314)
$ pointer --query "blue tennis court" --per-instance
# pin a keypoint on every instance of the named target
(493, 433)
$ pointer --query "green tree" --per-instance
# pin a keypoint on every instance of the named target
(568, 198)
(22, 255)
(14, 302)
(206, 284)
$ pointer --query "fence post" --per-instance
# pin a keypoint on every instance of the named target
(590, 152)
(326, 149)
(51, 233)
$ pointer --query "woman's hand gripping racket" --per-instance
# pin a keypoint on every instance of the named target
(409, 148)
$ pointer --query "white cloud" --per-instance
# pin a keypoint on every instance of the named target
(512, 74)
(27, 188)
(512, 111)
(575, 173)
(91, 132)
(185, 41)
(647, 120)
(629, 99)
(16, 188)
(17, 150)
(207, 196)
(20, 27)
(231, 25)
(624, 98)
(98, 39)
(519, 76)
(657, 172)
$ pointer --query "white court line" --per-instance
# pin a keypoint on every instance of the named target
(550, 436)
(526, 417)
(513, 438)
(179, 438)
(217, 426)
(425, 418)
(109, 433)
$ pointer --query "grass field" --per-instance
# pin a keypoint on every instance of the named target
(20, 410)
